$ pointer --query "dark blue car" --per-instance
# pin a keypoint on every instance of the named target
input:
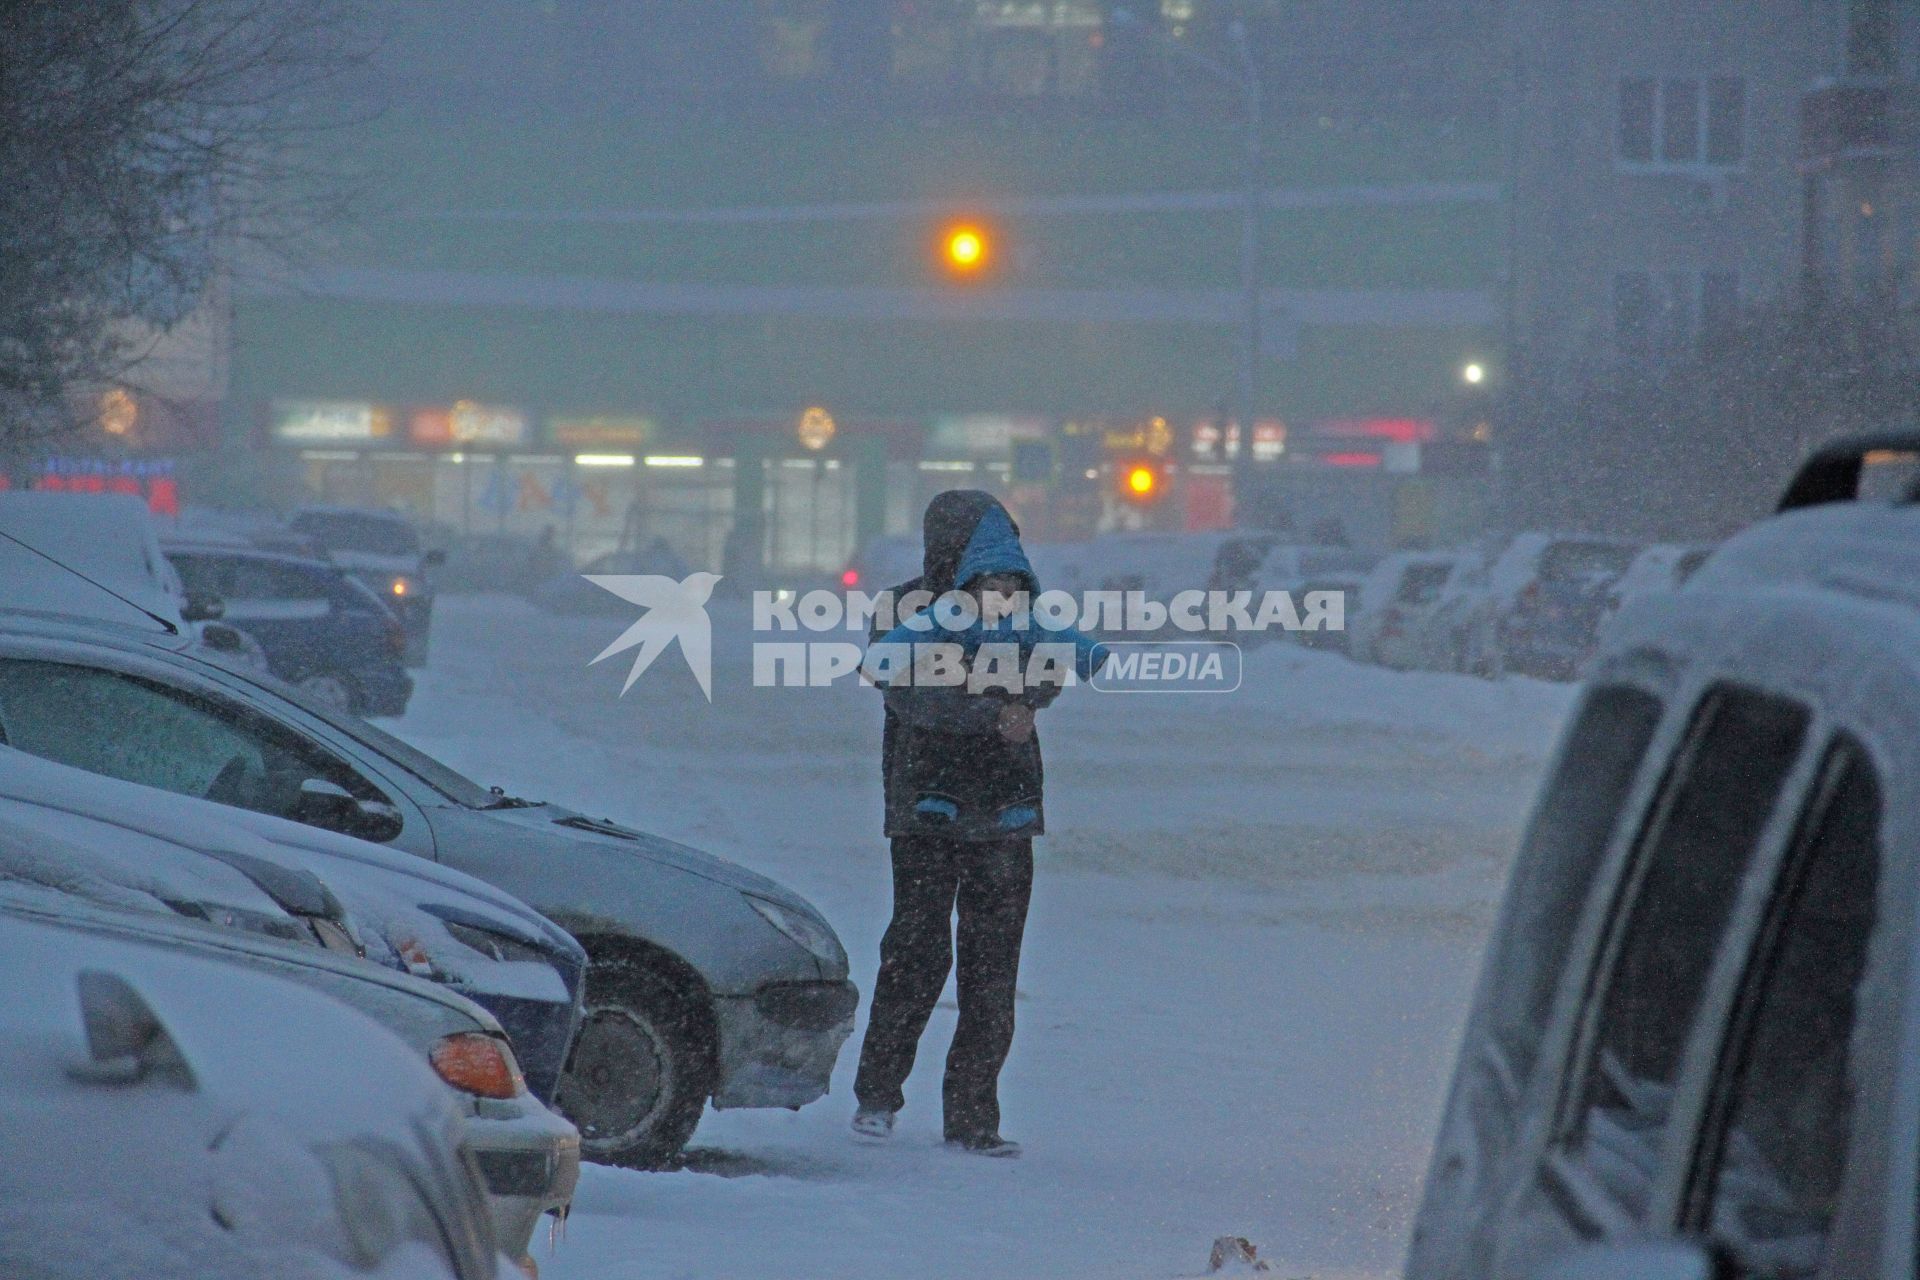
(323, 631)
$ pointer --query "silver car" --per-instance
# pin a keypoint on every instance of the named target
(705, 980)
(411, 916)
(174, 1117)
(90, 874)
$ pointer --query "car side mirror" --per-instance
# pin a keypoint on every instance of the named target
(203, 608)
(434, 558)
(1642, 1260)
(329, 806)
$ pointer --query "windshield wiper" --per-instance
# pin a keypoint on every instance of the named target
(501, 800)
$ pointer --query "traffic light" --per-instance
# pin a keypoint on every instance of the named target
(1141, 483)
(965, 249)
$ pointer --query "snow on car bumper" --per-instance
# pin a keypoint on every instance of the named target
(778, 1046)
(529, 1159)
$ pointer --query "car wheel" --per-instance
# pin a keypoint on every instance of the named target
(331, 692)
(640, 1070)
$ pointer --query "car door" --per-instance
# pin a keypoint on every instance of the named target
(1779, 1090)
(287, 609)
(153, 727)
(1719, 805)
(1597, 786)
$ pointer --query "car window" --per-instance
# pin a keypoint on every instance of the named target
(269, 580)
(1559, 859)
(124, 727)
(202, 576)
(1422, 583)
(1774, 1172)
(1707, 825)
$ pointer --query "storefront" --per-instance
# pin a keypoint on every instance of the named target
(819, 487)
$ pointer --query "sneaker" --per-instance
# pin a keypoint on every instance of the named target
(872, 1126)
(987, 1144)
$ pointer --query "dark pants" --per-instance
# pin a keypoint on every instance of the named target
(991, 883)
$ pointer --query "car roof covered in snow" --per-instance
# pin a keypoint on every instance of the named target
(400, 903)
(243, 551)
(304, 1057)
(1822, 602)
(1866, 549)
(95, 861)
(113, 568)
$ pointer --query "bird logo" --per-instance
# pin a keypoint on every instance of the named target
(675, 611)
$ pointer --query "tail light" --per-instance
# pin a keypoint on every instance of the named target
(851, 578)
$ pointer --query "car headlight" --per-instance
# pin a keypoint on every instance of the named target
(800, 929)
(479, 1064)
(401, 587)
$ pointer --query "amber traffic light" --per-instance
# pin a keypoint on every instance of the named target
(965, 249)
(1140, 482)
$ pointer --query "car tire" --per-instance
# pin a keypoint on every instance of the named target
(330, 691)
(640, 1071)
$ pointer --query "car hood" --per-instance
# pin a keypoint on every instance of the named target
(560, 823)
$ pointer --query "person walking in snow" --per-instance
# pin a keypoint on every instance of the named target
(963, 787)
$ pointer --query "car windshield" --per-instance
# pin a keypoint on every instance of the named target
(376, 535)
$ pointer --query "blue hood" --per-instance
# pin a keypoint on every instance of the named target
(994, 548)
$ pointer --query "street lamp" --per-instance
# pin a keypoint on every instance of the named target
(1474, 374)
(1246, 77)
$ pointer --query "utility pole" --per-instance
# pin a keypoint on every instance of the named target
(1253, 206)
(1246, 77)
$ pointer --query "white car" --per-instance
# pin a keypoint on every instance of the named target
(1664, 566)
(115, 882)
(1394, 601)
(98, 557)
(172, 1117)
(1693, 1047)
(411, 915)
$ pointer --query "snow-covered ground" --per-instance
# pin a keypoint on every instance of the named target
(1254, 927)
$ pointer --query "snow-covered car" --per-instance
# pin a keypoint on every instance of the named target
(381, 549)
(1692, 1048)
(706, 981)
(322, 630)
(1551, 624)
(1302, 570)
(1461, 634)
(48, 538)
(1664, 566)
(94, 874)
(1394, 601)
(169, 1115)
(107, 760)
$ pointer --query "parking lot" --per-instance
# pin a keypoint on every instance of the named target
(1254, 930)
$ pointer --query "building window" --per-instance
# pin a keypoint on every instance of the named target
(1682, 123)
(1663, 315)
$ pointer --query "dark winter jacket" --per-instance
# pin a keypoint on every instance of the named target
(948, 771)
